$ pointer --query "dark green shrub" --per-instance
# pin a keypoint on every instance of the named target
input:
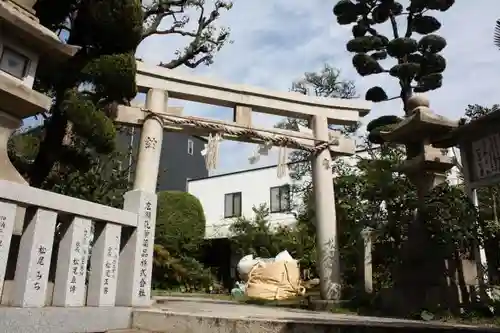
(180, 222)
(180, 227)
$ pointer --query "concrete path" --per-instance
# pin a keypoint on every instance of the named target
(180, 315)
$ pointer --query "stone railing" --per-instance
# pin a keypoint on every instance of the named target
(74, 253)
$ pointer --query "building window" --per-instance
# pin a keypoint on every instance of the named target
(190, 147)
(14, 63)
(280, 199)
(232, 205)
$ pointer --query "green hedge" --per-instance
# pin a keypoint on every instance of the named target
(180, 222)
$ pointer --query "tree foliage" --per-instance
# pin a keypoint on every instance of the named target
(180, 228)
(104, 180)
(86, 88)
(100, 74)
(181, 273)
(416, 60)
(180, 222)
(259, 237)
(326, 82)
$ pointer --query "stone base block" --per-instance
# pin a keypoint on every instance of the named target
(64, 320)
(324, 305)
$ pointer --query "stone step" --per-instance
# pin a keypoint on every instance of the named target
(128, 330)
(204, 317)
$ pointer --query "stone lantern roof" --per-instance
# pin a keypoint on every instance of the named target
(20, 23)
(422, 125)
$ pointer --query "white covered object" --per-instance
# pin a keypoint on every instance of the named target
(246, 263)
(284, 256)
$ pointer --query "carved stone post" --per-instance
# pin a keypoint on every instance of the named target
(367, 270)
(136, 258)
(326, 221)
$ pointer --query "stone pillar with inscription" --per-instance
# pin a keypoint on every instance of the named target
(33, 262)
(366, 262)
(480, 157)
(7, 217)
(71, 270)
(136, 257)
(484, 157)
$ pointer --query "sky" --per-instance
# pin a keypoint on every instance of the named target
(275, 42)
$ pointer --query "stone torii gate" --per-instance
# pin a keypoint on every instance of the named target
(160, 84)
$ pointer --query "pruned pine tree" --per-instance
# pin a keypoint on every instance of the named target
(102, 73)
(411, 54)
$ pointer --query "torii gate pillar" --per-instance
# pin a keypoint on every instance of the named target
(326, 221)
(136, 258)
(148, 160)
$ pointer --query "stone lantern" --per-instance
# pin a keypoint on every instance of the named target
(426, 167)
(23, 41)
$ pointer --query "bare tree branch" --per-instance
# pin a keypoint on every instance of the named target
(206, 39)
(496, 35)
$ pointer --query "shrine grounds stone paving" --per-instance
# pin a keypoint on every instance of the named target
(197, 315)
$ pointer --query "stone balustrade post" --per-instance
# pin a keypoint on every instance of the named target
(72, 260)
(33, 261)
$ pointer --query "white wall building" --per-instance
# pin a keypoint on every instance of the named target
(228, 196)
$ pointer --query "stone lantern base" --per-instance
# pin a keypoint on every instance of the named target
(16, 102)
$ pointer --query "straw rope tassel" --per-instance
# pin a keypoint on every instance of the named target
(207, 152)
(217, 140)
(281, 170)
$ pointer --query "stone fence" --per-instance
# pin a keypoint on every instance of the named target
(74, 253)
(463, 278)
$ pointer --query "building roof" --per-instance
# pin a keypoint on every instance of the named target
(471, 131)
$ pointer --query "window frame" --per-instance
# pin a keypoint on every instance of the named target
(17, 51)
(233, 196)
(190, 148)
(280, 209)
